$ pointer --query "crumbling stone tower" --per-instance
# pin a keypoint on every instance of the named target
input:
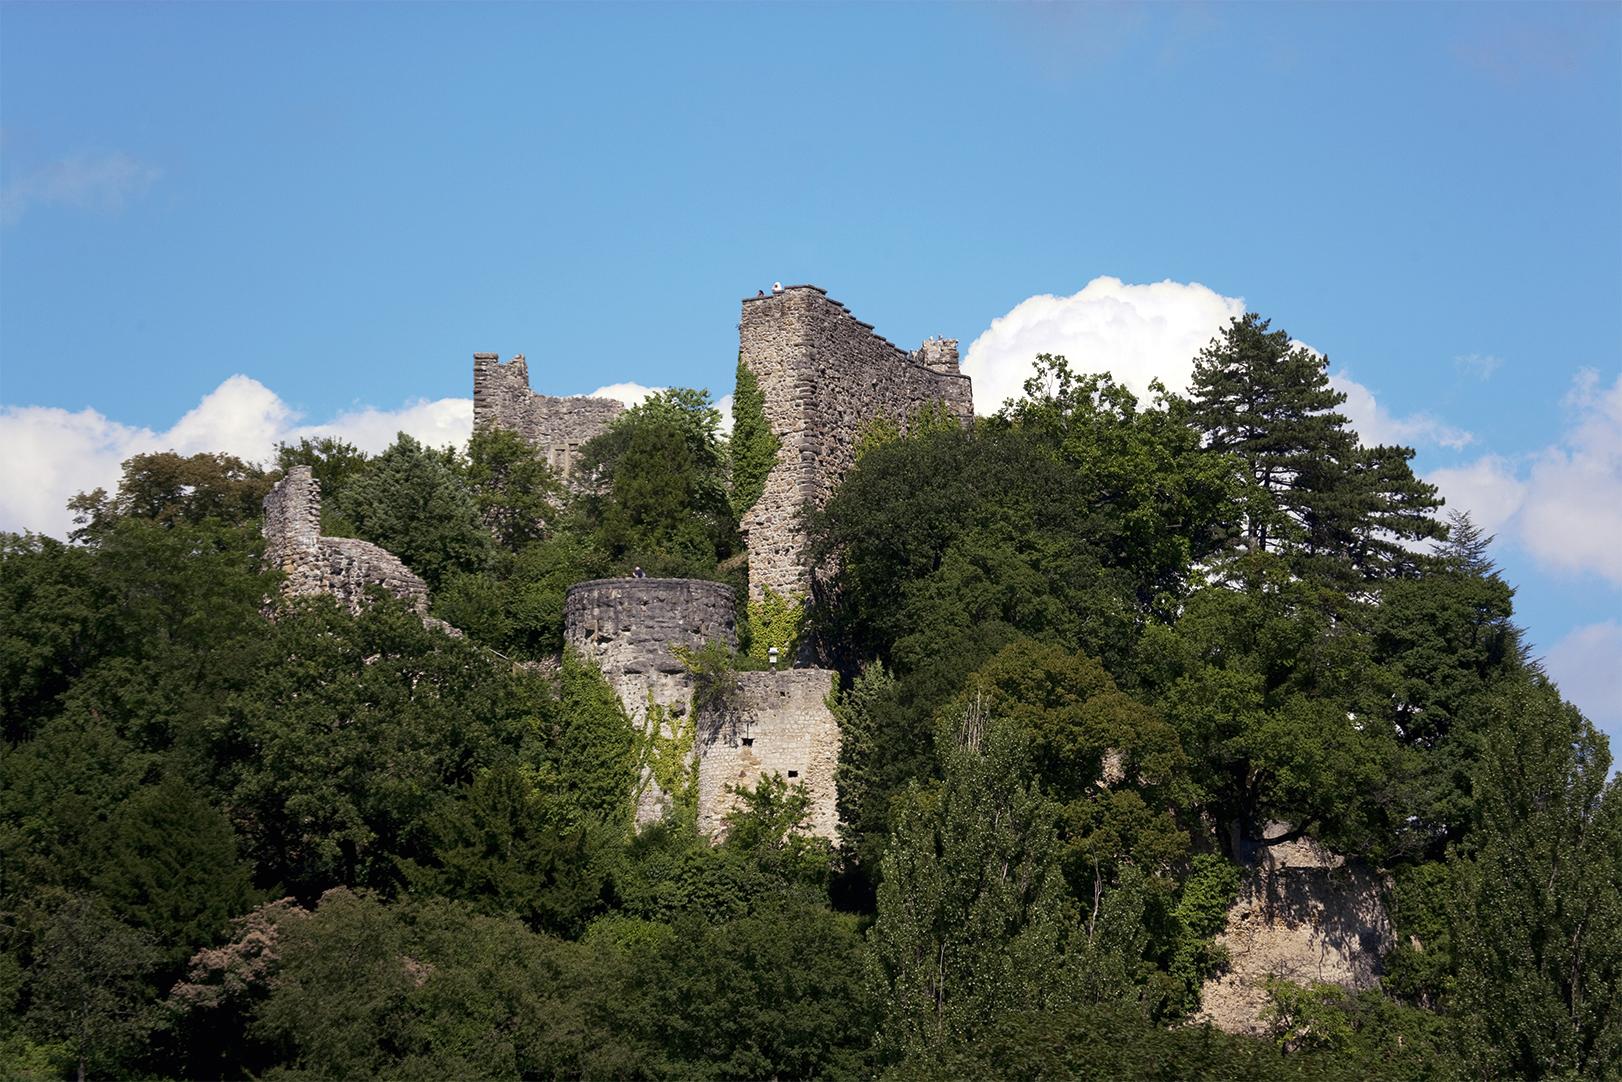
(558, 426)
(341, 566)
(630, 628)
(825, 375)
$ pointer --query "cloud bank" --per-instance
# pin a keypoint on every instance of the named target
(53, 454)
(1587, 665)
(1563, 504)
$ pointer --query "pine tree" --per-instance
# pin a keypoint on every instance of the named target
(1335, 508)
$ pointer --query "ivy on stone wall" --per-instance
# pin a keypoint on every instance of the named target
(754, 445)
(775, 620)
(664, 755)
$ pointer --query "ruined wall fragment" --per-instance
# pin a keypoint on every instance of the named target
(825, 376)
(344, 567)
(631, 627)
(1305, 915)
(557, 426)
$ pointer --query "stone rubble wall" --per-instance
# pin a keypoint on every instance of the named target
(825, 375)
(341, 566)
(558, 426)
(629, 628)
(788, 729)
(1305, 915)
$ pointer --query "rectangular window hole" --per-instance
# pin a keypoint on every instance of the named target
(748, 741)
(793, 773)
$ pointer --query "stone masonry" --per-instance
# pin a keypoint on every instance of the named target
(341, 566)
(558, 426)
(629, 627)
(825, 375)
(1303, 914)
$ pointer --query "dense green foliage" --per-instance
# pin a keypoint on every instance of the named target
(753, 445)
(1093, 654)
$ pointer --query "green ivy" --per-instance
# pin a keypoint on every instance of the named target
(775, 620)
(753, 446)
(1201, 913)
(665, 757)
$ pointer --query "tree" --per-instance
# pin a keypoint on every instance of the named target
(1446, 640)
(414, 501)
(333, 463)
(1333, 507)
(657, 496)
(168, 488)
(1279, 710)
(518, 494)
(89, 982)
(972, 916)
(1537, 916)
(172, 868)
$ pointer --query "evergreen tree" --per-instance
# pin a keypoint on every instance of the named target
(172, 868)
(1337, 509)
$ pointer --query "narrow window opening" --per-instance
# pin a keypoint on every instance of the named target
(793, 773)
(748, 741)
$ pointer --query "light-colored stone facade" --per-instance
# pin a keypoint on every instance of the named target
(344, 567)
(558, 426)
(630, 629)
(786, 728)
(1305, 915)
(825, 375)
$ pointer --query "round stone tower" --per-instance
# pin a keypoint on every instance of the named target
(631, 627)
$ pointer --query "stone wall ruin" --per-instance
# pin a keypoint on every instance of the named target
(1305, 915)
(630, 627)
(559, 427)
(344, 567)
(825, 375)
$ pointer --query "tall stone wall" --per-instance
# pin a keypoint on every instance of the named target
(825, 375)
(558, 426)
(630, 628)
(344, 567)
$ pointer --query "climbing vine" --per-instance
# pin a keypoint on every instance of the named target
(753, 445)
(775, 620)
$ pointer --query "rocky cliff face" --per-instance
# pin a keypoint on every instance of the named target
(1304, 915)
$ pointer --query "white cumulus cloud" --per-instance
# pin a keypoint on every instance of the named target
(53, 454)
(1563, 504)
(1134, 332)
(1587, 664)
(632, 394)
(1375, 425)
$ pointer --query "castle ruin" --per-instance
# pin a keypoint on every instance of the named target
(559, 427)
(825, 376)
(344, 567)
(631, 629)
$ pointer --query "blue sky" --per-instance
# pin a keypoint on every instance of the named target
(339, 204)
